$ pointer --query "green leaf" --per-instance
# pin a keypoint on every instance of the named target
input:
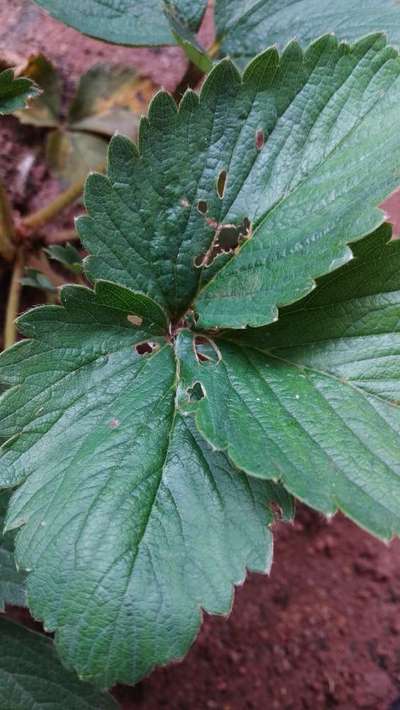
(12, 581)
(31, 676)
(314, 399)
(66, 255)
(73, 154)
(126, 21)
(14, 93)
(309, 144)
(246, 27)
(130, 523)
(37, 279)
(110, 99)
(44, 110)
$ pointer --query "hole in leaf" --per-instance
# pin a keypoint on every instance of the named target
(146, 348)
(202, 207)
(221, 183)
(260, 139)
(196, 392)
(135, 320)
(206, 351)
(184, 202)
(227, 238)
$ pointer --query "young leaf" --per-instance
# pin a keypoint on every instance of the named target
(314, 400)
(14, 93)
(12, 581)
(280, 170)
(44, 110)
(245, 27)
(131, 524)
(31, 676)
(126, 21)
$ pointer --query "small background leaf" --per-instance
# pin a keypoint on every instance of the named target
(110, 99)
(73, 154)
(44, 110)
(15, 92)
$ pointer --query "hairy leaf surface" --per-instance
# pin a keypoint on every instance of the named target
(245, 27)
(131, 524)
(129, 22)
(31, 676)
(14, 93)
(12, 581)
(291, 160)
(313, 400)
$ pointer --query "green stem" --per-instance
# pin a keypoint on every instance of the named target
(66, 198)
(10, 330)
(7, 229)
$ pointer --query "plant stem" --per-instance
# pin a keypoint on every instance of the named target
(213, 51)
(10, 330)
(66, 198)
(7, 229)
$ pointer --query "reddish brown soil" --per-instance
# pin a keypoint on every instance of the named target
(324, 630)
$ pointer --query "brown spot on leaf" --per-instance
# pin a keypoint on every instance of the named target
(260, 139)
(221, 183)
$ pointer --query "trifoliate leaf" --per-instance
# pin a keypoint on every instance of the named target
(130, 523)
(314, 400)
(14, 93)
(126, 21)
(12, 581)
(110, 98)
(245, 27)
(31, 676)
(73, 154)
(269, 177)
(44, 110)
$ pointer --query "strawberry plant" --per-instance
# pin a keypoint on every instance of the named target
(238, 349)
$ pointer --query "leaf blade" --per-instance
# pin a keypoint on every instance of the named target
(127, 22)
(245, 28)
(315, 408)
(32, 676)
(315, 202)
(176, 514)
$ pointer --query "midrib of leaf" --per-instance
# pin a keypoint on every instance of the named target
(143, 532)
(288, 192)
